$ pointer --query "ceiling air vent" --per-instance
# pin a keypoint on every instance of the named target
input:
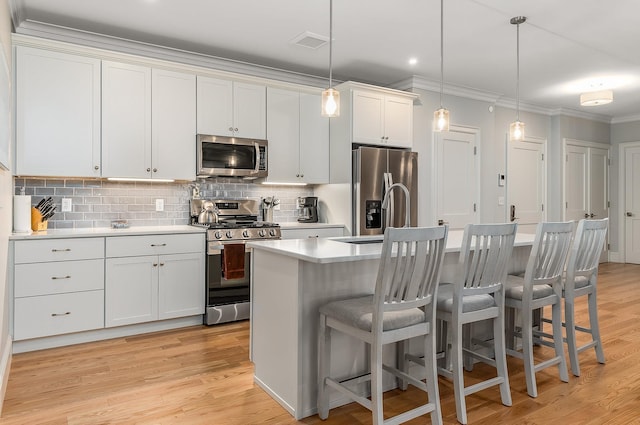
(310, 40)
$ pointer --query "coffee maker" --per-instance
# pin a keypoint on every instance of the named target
(307, 209)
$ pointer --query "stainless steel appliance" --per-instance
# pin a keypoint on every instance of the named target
(307, 207)
(375, 170)
(228, 263)
(231, 156)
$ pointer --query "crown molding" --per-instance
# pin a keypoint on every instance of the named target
(628, 118)
(153, 51)
(418, 82)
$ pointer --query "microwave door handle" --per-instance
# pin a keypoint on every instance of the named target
(257, 169)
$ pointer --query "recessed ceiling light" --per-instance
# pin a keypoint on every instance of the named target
(413, 61)
(310, 40)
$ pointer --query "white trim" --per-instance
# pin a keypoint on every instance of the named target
(5, 368)
(628, 118)
(102, 334)
(622, 165)
(417, 82)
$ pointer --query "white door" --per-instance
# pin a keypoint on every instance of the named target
(249, 110)
(214, 106)
(131, 290)
(283, 133)
(180, 289)
(173, 151)
(398, 121)
(632, 205)
(598, 183)
(526, 183)
(126, 120)
(575, 182)
(456, 178)
(368, 117)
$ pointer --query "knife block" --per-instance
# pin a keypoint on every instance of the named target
(36, 221)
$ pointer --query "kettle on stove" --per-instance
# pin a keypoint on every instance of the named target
(209, 213)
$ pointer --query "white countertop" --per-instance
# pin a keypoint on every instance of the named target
(336, 250)
(106, 231)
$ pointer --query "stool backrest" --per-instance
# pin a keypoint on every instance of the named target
(587, 246)
(549, 253)
(410, 266)
(484, 257)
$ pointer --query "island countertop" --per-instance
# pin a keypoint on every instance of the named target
(343, 249)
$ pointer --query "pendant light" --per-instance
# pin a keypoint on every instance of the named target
(441, 115)
(516, 129)
(330, 97)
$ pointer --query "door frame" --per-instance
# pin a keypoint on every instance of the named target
(475, 132)
(545, 145)
(622, 185)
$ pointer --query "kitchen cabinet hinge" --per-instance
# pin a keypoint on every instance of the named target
(566, 205)
(475, 150)
(542, 206)
(542, 157)
(608, 246)
(608, 204)
(474, 207)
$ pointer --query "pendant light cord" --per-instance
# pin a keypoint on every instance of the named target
(441, 51)
(518, 72)
(330, 43)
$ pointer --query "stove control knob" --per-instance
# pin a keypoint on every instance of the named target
(272, 232)
(245, 233)
(217, 234)
(229, 234)
(262, 233)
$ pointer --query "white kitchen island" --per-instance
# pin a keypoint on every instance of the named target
(290, 280)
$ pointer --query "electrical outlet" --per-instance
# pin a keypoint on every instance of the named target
(159, 204)
(276, 207)
(66, 204)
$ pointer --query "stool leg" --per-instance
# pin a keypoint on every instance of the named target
(376, 383)
(569, 318)
(595, 327)
(458, 373)
(527, 352)
(556, 310)
(324, 366)
(432, 377)
(500, 353)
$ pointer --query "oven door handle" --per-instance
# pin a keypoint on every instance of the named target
(218, 248)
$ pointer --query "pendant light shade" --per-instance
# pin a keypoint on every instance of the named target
(330, 97)
(441, 115)
(516, 129)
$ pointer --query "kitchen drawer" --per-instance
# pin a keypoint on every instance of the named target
(58, 277)
(48, 315)
(320, 232)
(130, 246)
(35, 251)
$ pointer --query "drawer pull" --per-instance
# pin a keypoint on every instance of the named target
(61, 250)
(60, 277)
(161, 264)
(155, 264)
(60, 314)
(158, 244)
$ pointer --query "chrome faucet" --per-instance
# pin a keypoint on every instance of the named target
(385, 201)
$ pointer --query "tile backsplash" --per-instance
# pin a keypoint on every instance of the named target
(95, 203)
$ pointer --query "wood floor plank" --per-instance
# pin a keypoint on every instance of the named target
(202, 375)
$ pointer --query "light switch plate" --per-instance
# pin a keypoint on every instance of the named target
(66, 204)
(159, 204)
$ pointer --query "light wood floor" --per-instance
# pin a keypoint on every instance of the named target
(202, 375)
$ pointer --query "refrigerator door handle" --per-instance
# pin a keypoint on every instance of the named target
(390, 211)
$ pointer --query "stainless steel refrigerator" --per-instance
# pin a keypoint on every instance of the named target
(374, 170)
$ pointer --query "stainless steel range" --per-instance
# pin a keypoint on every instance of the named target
(230, 223)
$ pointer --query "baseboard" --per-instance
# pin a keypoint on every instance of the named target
(5, 367)
(614, 257)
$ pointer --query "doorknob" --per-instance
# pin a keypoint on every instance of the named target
(586, 215)
(629, 214)
(592, 215)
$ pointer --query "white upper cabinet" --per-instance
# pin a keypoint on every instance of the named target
(126, 120)
(231, 108)
(173, 125)
(57, 114)
(382, 119)
(148, 122)
(298, 138)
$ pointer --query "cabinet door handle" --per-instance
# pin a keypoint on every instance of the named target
(96, 167)
(629, 214)
(155, 170)
(60, 277)
(161, 264)
(61, 250)
(230, 128)
(148, 170)
(158, 244)
(235, 129)
(155, 264)
(60, 314)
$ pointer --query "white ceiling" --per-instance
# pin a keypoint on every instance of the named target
(565, 45)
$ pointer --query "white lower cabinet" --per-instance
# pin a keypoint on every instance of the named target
(141, 288)
(58, 287)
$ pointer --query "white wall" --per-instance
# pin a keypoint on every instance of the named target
(6, 207)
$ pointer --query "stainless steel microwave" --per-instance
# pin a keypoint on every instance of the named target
(231, 156)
